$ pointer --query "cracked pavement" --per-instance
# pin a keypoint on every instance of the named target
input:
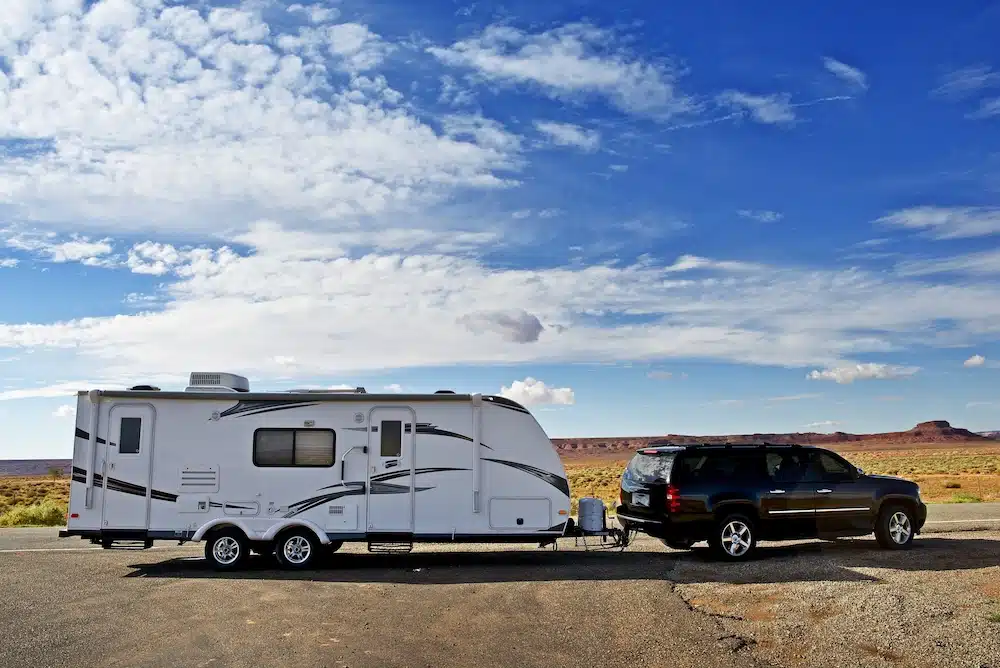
(800, 604)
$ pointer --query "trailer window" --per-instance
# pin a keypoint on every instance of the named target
(294, 447)
(128, 438)
(392, 438)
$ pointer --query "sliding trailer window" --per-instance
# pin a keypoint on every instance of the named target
(294, 447)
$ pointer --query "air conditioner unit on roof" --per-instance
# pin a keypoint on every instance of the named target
(201, 381)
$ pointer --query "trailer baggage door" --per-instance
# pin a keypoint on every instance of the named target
(390, 469)
(127, 467)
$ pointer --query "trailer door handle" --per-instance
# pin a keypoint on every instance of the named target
(777, 491)
(823, 491)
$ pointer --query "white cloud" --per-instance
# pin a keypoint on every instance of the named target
(794, 397)
(64, 411)
(577, 59)
(618, 168)
(967, 80)
(77, 249)
(428, 301)
(760, 216)
(521, 214)
(8, 262)
(824, 425)
(158, 127)
(849, 75)
(532, 392)
(984, 264)
(567, 134)
(941, 222)
(315, 13)
(660, 375)
(974, 361)
(395, 388)
(550, 213)
(284, 360)
(846, 374)
(987, 109)
(774, 109)
(48, 391)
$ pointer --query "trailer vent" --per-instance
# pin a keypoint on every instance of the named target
(199, 479)
(217, 382)
(336, 510)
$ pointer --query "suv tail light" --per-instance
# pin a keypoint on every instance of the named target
(673, 499)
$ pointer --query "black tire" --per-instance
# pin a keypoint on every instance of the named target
(678, 544)
(894, 527)
(741, 526)
(227, 549)
(334, 546)
(297, 549)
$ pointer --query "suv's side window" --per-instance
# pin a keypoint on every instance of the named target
(717, 467)
(824, 467)
(786, 467)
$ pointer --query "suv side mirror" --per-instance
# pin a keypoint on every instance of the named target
(860, 471)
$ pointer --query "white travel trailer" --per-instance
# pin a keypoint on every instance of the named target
(300, 472)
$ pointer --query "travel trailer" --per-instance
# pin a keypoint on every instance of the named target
(298, 473)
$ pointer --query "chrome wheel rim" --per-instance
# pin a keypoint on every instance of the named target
(736, 538)
(899, 528)
(297, 550)
(226, 550)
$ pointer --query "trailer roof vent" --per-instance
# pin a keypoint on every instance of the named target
(144, 388)
(217, 382)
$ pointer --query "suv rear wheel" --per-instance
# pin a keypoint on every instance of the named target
(735, 537)
(894, 529)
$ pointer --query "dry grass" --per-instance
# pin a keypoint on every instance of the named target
(33, 501)
(945, 474)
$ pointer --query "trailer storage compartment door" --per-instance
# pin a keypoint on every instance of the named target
(520, 513)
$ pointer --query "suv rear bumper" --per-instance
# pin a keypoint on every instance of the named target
(628, 518)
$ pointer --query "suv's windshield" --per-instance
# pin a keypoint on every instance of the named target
(649, 468)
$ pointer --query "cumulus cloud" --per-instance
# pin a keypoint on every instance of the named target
(763, 216)
(149, 117)
(942, 222)
(567, 134)
(395, 388)
(516, 326)
(774, 109)
(8, 262)
(974, 361)
(532, 392)
(574, 60)
(823, 425)
(847, 374)
(852, 76)
(76, 249)
(64, 411)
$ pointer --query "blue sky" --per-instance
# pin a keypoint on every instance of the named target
(638, 219)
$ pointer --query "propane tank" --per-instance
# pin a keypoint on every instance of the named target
(591, 514)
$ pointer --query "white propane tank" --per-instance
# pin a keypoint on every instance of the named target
(591, 514)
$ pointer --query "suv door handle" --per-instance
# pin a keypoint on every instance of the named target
(823, 491)
(777, 491)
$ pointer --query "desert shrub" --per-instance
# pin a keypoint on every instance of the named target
(965, 498)
(44, 514)
(953, 485)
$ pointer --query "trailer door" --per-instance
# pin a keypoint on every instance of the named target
(391, 432)
(127, 466)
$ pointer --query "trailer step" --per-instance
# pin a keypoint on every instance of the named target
(390, 548)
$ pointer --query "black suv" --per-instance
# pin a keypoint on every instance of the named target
(733, 495)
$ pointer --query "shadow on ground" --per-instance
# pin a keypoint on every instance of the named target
(801, 562)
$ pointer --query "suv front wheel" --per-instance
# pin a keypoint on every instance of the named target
(735, 537)
(894, 530)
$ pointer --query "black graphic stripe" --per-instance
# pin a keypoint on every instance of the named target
(256, 407)
(116, 485)
(399, 474)
(559, 483)
(85, 435)
(506, 403)
(309, 504)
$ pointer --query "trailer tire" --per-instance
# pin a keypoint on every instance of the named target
(297, 549)
(226, 549)
(334, 546)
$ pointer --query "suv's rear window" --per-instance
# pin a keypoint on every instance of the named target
(650, 468)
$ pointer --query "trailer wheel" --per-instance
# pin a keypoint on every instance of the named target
(227, 549)
(297, 549)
